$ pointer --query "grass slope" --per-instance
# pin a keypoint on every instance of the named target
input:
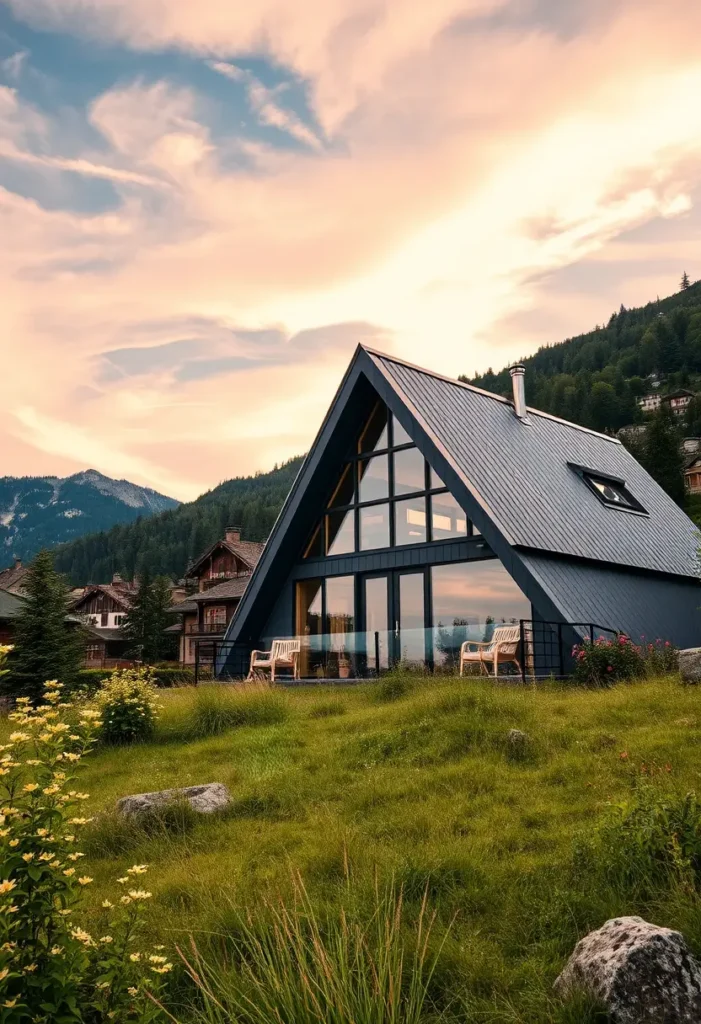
(350, 787)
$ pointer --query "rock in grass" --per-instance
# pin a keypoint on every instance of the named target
(214, 796)
(517, 741)
(690, 665)
(640, 973)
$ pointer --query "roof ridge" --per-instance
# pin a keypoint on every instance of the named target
(483, 391)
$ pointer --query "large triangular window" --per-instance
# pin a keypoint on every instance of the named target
(386, 496)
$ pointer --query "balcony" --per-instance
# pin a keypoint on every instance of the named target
(206, 628)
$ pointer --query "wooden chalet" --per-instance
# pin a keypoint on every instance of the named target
(219, 577)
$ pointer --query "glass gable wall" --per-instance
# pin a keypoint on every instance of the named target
(419, 611)
(386, 496)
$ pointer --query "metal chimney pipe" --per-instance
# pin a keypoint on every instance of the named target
(518, 373)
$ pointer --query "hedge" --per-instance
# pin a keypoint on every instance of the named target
(92, 678)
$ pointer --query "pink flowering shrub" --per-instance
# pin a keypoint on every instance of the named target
(608, 661)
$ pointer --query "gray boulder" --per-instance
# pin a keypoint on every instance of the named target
(640, 973)
(214, 796)
(516, 744)
(690, 665)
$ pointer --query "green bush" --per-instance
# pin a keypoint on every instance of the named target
(52, 969)
(653, 841)
(128, 706)
(397, 683)
(170, 675)
(605, 662)
(89, 680)
(293, 965)
(219, 707)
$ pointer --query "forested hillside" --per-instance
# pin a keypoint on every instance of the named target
(166, 543)
(595, 378)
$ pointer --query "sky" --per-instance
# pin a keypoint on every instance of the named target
(204, 207)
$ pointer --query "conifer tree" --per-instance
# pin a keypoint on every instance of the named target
(47, 645)
(661, 454)
(147, 619)
(686, 283)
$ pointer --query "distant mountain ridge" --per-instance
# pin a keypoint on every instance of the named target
(168, 542)
(42, 511)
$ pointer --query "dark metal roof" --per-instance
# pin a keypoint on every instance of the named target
(522, 477)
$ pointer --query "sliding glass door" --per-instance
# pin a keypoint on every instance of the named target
(394, 618)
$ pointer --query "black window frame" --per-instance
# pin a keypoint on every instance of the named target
(428, 492)
(630, 503)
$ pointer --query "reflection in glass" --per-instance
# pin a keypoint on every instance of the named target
(410, 521)
(374, 527)
(409, 471)
(308, 624)
(434, 480)
(373, 478)
(447, 518)
(376, 622)
(411, 622)
(340, 604)
(340, 533)
(315, 547)
(400, 434)
(374, 436)
(343, 495)
(469, 599)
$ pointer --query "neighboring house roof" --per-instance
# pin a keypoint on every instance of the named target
(518, 482)
(682, 393)
(229, 590)
(10, 605)
(121, 595)
(248, 551)
(13, 579)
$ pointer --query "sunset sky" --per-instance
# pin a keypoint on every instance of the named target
(206, 204)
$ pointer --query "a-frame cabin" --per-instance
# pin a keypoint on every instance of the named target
(429, 511)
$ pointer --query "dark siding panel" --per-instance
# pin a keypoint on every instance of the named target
(639, 605)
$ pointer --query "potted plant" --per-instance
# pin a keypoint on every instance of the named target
(343, 664)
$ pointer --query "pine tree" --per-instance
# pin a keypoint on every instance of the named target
(686, 283)
(147, 619)
(47, 645)
(661, 454)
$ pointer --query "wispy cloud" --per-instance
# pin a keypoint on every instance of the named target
(264, 103)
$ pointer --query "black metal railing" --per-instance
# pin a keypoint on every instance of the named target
(544, 649)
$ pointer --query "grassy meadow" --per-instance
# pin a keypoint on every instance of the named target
(493, 858)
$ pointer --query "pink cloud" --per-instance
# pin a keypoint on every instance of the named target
(464, 165)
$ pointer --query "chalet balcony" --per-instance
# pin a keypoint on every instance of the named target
(206, 628)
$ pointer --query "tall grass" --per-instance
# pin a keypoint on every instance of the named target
(217, 708)
(300, 968)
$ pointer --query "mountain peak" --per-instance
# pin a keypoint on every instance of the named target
(38, 512)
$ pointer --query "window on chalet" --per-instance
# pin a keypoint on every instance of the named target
(386, 496)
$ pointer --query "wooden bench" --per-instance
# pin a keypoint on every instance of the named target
(501, 649)
(282, 654)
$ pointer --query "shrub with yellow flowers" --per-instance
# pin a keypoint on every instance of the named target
(128, 705)
(51, 968)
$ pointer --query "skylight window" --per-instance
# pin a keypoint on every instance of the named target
(609, 490)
